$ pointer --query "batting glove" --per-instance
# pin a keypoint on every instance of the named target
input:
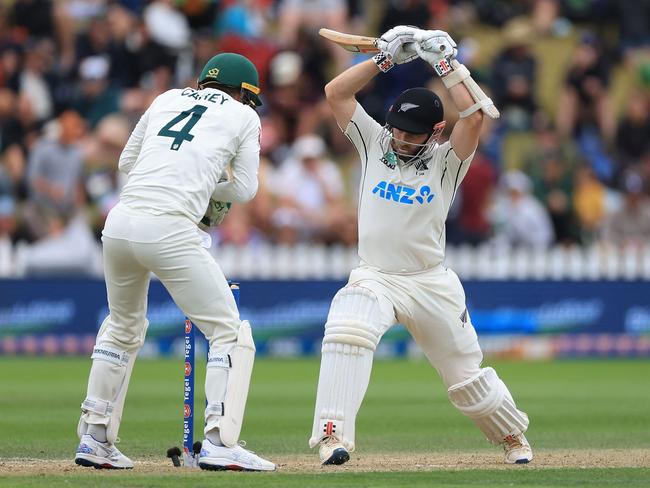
(396, 47)
(437, 48)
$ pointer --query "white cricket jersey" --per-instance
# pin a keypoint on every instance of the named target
(402, 209)
(179, 149)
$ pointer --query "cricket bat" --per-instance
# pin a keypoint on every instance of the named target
(350, 42)
(354, 43)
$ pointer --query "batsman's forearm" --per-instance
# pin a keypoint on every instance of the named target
(353, 79)
(463, 100)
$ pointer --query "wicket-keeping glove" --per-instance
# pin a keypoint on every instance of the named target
(215, 214)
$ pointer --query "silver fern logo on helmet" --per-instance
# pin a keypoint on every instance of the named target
(405, 107)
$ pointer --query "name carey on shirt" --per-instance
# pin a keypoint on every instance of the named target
(204, 95)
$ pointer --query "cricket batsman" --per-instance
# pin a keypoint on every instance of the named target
(176, 160)
(408, 183)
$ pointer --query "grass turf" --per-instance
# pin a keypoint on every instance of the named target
(521, 478)
(572, 404)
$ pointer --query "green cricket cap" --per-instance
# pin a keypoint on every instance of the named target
(234, 70)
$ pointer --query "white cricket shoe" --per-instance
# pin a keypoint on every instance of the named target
(517, 449)
(100, 455)
(221, 458)
(332, 451)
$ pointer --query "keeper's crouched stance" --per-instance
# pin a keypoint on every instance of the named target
(176, 159)
(408, 183)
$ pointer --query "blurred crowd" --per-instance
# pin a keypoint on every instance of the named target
(568, 162)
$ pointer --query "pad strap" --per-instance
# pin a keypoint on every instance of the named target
(216, 360)
(217, 409)
(471, 109)
(97, 405)
(112, 355)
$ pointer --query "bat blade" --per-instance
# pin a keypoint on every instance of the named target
(350, 42)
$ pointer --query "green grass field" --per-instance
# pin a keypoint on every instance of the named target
(584, 407)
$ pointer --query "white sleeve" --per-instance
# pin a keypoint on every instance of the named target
(454, 170)
(242, 187)
(131, 151)
(362, 130)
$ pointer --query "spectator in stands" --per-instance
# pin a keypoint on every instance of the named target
(513, 76)
(633, 135)
(7, 217)
(476, 190)
(310, 190)
(585, 108)
(499, 12)
(54, 172)
(10, 132)
(29, 126)
(102, 181)
(13, 164)
(295, 15)
(286, 99)
(11, 60)
(630, 225)
(634, 27)
(7, 204)
(166, 25)
(96, 98)
(589, 203)
(551, 163)
(67, 247)
(124, 45)
(519, 218)
(35, 16)
(237, 229)
(35, 81)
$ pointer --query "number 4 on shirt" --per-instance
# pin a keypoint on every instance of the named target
(183, 134)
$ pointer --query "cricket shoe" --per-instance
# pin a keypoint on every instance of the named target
(332, 451)
(222, 458)
(517, 449)
(100, 455)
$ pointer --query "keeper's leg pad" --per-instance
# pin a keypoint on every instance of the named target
(233, 370)
(108, 384)
(486, 400)
(351, 336)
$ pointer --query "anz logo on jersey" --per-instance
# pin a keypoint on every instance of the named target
(403, 194)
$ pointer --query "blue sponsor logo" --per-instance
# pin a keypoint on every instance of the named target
(403, 194)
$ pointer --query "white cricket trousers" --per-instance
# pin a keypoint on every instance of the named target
(186, 269)
(431, 305)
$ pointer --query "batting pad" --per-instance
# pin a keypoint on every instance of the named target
(351, 336)
(486, 400)
(107, 387)
(239, 362)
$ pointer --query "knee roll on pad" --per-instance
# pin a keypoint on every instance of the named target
(351, 336)
(225, 409)
(353, 318)
(486, 400)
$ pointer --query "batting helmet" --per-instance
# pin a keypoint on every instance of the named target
(416, 110)
(233, 70)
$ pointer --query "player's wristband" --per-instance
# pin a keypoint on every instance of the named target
(384, 61)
